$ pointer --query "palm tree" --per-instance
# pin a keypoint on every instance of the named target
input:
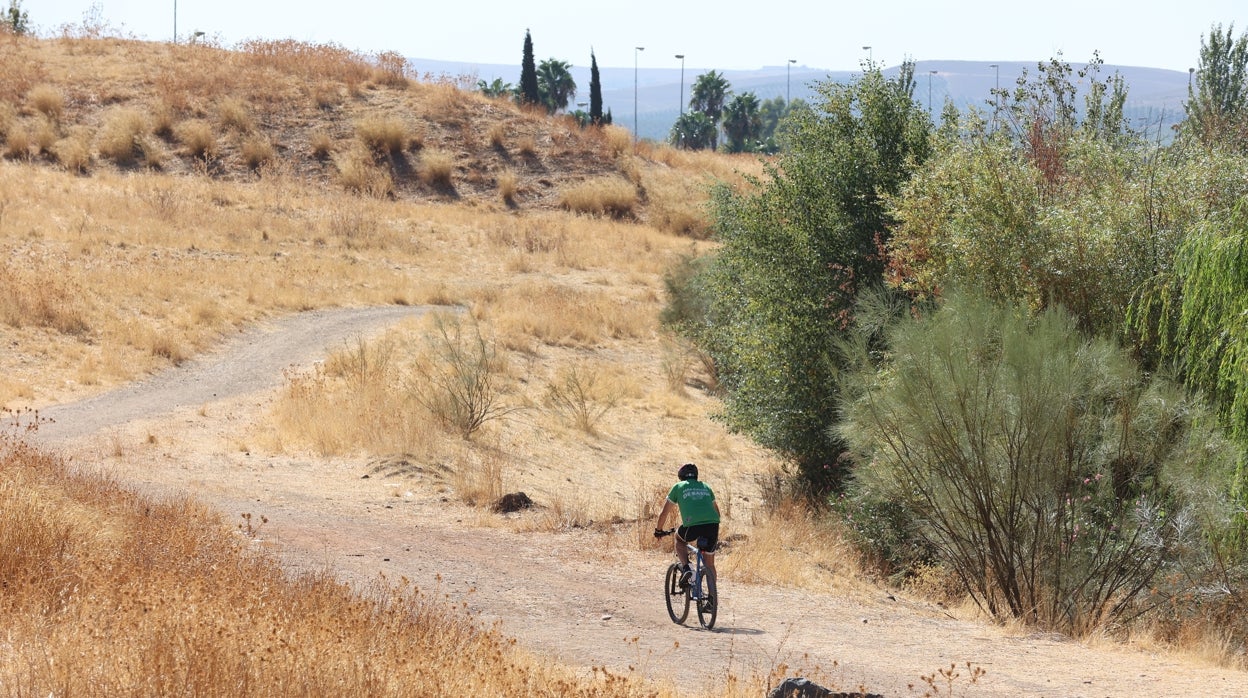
(743, 123)
(708, 95)
(554, 81)
(693, 130)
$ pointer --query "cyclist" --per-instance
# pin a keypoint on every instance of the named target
(699, 521)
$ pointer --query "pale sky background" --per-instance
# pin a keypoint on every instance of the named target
(722, 35)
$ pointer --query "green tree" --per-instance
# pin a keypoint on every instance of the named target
(743, 125)
(555, 84)
(708, 94)
(16, 19)
(529, 90)
(1042, 466)
(794, 252)
(1217, 106)
(693, 130)
(595, 91)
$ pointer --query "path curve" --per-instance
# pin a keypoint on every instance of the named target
(587, 599)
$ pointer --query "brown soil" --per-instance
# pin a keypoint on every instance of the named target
(588, 598)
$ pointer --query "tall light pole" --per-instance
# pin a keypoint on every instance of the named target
(175, 21)
(870, 55)
(681, 56)
(996, 98)
(637, 50)
(930, 73)
(788, 65)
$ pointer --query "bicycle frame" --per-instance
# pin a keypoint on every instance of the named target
(692, 592)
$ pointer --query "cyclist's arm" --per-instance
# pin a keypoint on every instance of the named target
(668, 505)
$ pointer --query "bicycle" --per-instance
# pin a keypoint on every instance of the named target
(679, 597)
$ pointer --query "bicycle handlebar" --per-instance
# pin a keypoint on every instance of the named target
(659, 533)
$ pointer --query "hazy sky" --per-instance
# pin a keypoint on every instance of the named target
(721, 35)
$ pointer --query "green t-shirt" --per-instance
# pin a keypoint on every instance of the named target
(696, 502)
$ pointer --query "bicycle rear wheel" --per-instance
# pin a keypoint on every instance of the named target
(677, 598)
(708, 607)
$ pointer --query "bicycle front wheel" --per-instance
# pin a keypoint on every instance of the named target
(708, 607)
(677, 598)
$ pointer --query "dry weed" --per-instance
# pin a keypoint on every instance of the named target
(358, 173)
(46, 100)
(437, 168)
(610, 196)
(382, 135)
(197, 138)
(74, 151)
(232, 113)
(508, 186)
(121, 136)
(322, 144)
(257, 151)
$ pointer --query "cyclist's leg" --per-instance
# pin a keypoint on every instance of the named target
(682, 551)
(708, 561)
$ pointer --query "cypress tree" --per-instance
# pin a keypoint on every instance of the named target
(529, 93)
(595, 91)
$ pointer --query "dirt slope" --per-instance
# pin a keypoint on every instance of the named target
(586, 598)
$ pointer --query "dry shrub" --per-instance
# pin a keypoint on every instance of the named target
(619, 140)
(17, 143)
(319, 61)
(38, 298)
(322, 144)
(392, 69)
(326, 95)
(232, 113)
(478, 481)
(257, 151)
(8, 117)
(162, 118)
(508, 186)
(609, 196)
(497, 135)
(44, 134)
(120, 138)
(568, 317)
(355, 225)
(74, 151)
(382, 135)
(358, 173)
(436, 168)
(197, 138)
(527, 146)
(792, 547)
(46, 100)
(580, 395)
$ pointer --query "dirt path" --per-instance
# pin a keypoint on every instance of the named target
(587, 599)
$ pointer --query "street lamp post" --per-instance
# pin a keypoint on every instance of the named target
(788, 65)
(637, 50)
(175, 21)
(681, 56)
(870, 55)
(930, 73)
(996, 97)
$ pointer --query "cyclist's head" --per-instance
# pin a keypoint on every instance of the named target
(688, 471)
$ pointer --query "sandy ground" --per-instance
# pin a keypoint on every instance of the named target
(585, 598)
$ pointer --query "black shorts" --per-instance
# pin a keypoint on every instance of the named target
(707, 535)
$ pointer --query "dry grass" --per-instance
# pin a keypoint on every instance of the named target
(382, 135)
(508, 186)
(121, 137)
(257, 151)
(197, 138)
(437, 168)
(233, 113)
(47, 100)
(359, 173)
(189, 606)
(609, 196)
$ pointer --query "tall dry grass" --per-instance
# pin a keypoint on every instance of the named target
(110, 594)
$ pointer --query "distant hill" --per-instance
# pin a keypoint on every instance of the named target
(1155, 96)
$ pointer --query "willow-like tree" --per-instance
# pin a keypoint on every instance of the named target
(1217, 105)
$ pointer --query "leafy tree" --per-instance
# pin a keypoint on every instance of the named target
(595, 91)
(529, 91)
(1204, 326)
(1217, 106)
(1053, 478)
(742, 123)
(16, 19)
(794, 253)
(555, 84)
(708, 94)
(693, 130)
(498, 88)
